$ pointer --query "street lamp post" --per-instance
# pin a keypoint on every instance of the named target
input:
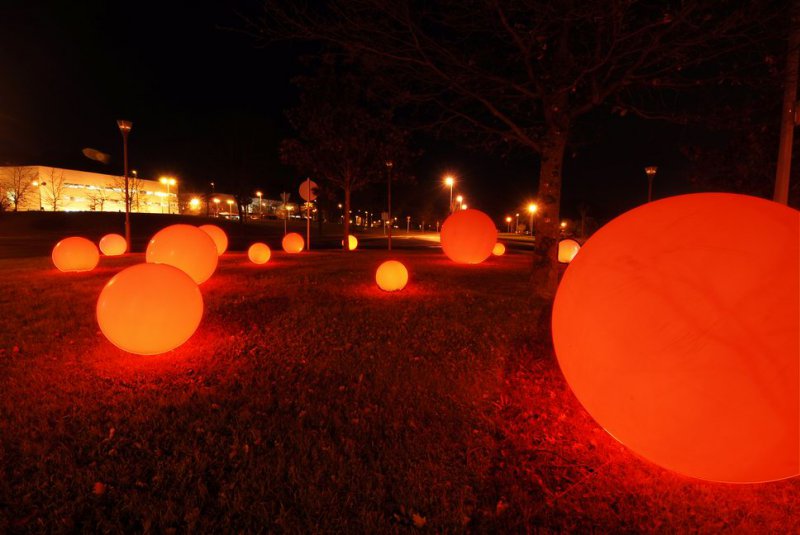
(449, 181)
(36, 184)
(230, 207)
(459, 201)
(216, 207)
(531, 210)
(168, 181)
(125, 129)
(260, 212)
(651, 173)
(516, 225)
(508, 224)
(389, 167)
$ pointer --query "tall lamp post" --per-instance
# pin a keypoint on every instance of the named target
(516, 224)
(449, 181)
(531, 210)
(168, 181)
(216, 207)
(650, 171)
(389, 167)
(260, 212)
(508, 224)
(125, 129)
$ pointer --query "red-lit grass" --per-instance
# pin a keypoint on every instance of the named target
(310, 400)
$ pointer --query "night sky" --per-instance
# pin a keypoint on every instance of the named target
(207, 105)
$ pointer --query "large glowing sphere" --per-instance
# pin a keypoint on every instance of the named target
(218, 235)
(677, 328)
(499, 249)
(149, 309)
(112, 245)
(187, 248)
(75, 254)
(391, 276)
(468, 236)
(352, 242)
(293, 243)
(567, 249)
(259, 253)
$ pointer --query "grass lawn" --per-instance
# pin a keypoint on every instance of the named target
(308, 400)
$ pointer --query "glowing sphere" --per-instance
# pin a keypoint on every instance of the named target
(259, 253)
(468, 236)
(677, 328)
(218, 235)
(187, 248)
(293, 243)
(499, 249)
(75, 254)
(567, 249)
(391, 276)
(352, 242)
(113, 245)
(149, 309)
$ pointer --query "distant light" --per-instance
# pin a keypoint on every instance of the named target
(532, 208)
(449, 180)
(508, 219)
(194, 203)
(463, 206)
(460, 199)
(563, 224)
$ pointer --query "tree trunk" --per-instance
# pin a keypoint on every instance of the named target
(546, 220)
(346, 218)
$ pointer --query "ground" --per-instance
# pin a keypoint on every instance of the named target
(309, 400)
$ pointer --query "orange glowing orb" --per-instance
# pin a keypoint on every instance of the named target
(293, 243)
(259, 253)
(187, 248)
(149, 309)
(391, 276)
(218, 235)
(352, 242)
(468, 236)
(75, 254)
(499, 249)
(113, 245)
(677, 328)
(567, 249)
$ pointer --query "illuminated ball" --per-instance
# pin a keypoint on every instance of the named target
(187, 248)
(499, 249)
(218, 235)
(468, 236)
(352, 242)
(391, 276)
(567, 249)
(75, 254)
(149, 309)
(677, 328)
(293, 243)
(259, 253)
(112, 245)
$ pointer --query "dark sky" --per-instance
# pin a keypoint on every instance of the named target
(207, 105)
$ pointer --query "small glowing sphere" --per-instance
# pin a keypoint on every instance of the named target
(149, 309)
(293, 243)
(352, 242)
(218, 235)
(468, 236)
(567, 249)
(75, 254)
(187, 248)
(680, 337)
(259, 253)
(499, 249)
(391, 276)
(112, 245)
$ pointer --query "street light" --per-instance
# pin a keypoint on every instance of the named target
(230, 207)
(216, 207)
(38, 187)
(459, 200)
(168, 181)
(125, 129)
(194, 203)
(449, 181)
(259, 194)
(651, 173)
(463, 206)
(516, 225)
(508, 223)
(531, 210)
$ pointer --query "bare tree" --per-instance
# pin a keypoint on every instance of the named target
(522, 74)
(134, 186)
(16, 183)
(53, 187)
(99, 196)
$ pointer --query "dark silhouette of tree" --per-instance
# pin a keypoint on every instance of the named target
(522, 74)
(15, 184)
(344, 138)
